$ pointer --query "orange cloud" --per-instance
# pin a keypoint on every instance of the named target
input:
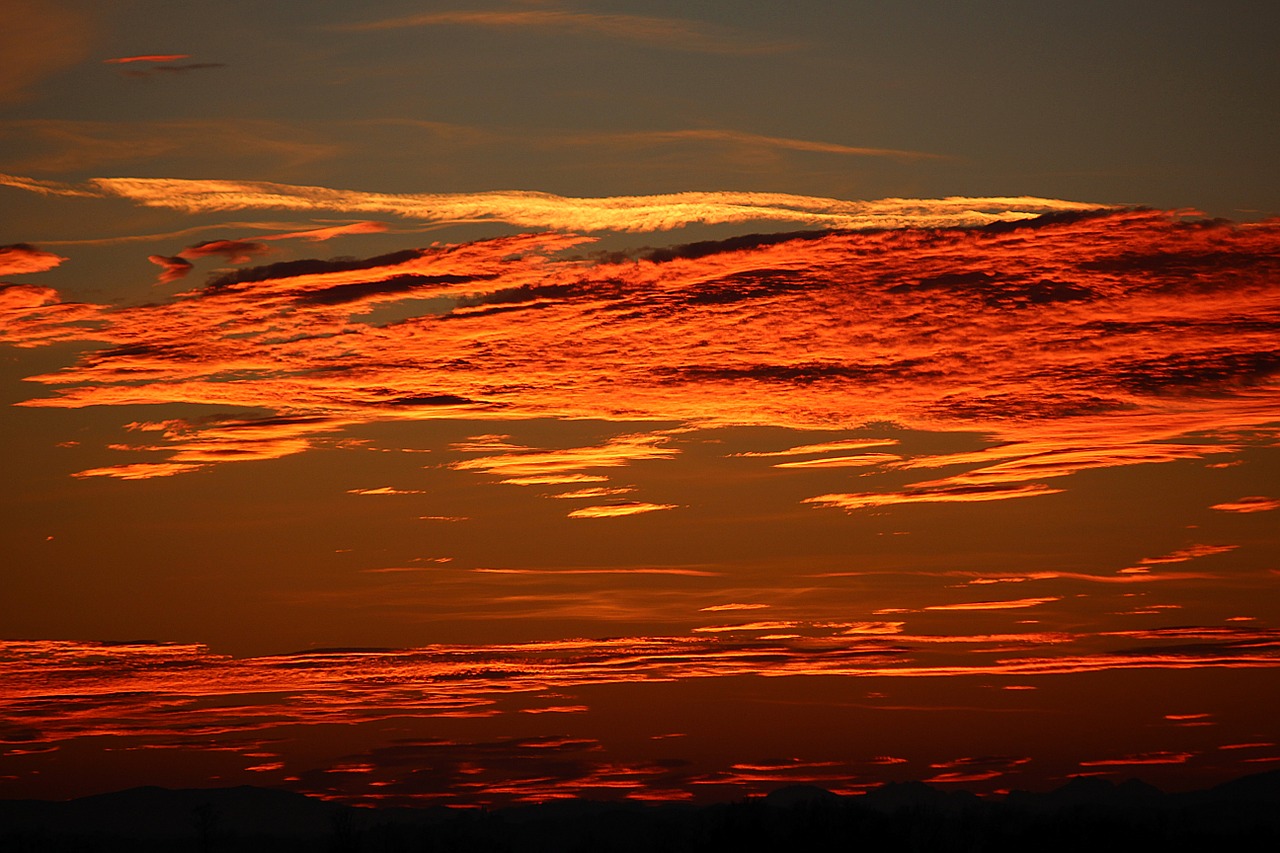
(524, 462)
(150, 57)
(1142, 758)
(1016, 604)
(316, 235)
(1182, 555)
(172, 268)
(1077, 341)
(860, 461)
(620, 508)
(955, 777)
(235, 251)
(742, 140)
(21, 259)
(696, 573)
(746, 626)
(826, 447)
(597, 492)
(1253, 503)
(950, 494)
(544, 210)
(142, 693)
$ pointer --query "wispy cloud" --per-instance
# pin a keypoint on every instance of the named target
(945, 494)
(619, 508)
(518, 464)
(544, 210)
(666, 33)
(1015, 604)
(65, 145)
(181, 695)
(147, 57)
(1252, 503)
(740, 140)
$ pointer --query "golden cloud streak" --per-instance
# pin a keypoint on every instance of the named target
(544, 210)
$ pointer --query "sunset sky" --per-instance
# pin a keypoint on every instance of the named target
(427, 403)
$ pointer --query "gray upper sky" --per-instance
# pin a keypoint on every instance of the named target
(1167, 104)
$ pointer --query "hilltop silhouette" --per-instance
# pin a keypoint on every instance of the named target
(1086, 813)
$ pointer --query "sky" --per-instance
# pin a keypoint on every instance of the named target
(475, 404)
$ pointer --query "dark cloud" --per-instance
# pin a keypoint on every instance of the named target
(341, 294)
(172, 268)
(999, 290)
(313, 266)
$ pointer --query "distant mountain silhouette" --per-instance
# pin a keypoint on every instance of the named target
(1086, 813)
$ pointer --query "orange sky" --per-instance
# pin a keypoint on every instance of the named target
(652, 456)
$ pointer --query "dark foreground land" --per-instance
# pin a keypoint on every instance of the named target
(1089, 815)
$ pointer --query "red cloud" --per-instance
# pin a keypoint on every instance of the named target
(1253, 503)
(235, 251)
(1145, 337)
(173, 268)
(21, 259)
(149, 57)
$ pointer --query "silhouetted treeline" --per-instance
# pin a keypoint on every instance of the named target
(1085, 815)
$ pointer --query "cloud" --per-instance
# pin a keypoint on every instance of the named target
(824, 447)
(171, 268)
(184, 696)
(862, 460)
(947, 494)
(1016, 604)
(22, 259)
(695, 573)
(385, 490)
(957, 777)
(523, 466)
(235, 251)
(596, 492)
(1141, 758)
(747, 626)
(65, 145)
(21, 298)
(331, 231)
(667, 33)
(1252, 503)
(139, 470)
(192, 444)
(742, 140)
(533, 209)
(1182, 555)
(149, 57)
(619, 508)
(802, 332)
